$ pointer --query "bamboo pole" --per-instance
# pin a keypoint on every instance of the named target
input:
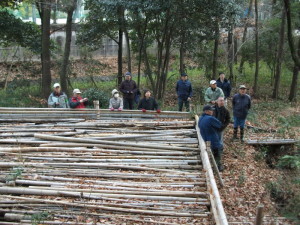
(217, 206)
(259, 215)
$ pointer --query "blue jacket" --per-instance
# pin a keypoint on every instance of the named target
(210, 128)
(184, 89)
(241, 105)
(225, 86)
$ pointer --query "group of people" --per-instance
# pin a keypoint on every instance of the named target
(216, 117)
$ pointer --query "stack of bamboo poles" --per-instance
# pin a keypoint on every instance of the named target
(102, 172)
(42, 115)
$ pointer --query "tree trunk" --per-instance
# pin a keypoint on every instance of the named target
(181, 55)
(245, 35)
(216, 50)
(64, 68)
(295, 56)
(294, 84)
(128, 49)
(255, 87)
(230, 52)
(120, 45)
(46, 56)
(279, 56)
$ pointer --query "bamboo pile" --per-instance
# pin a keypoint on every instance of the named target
(121, 171)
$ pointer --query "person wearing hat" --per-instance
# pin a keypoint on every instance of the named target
(224, 84)
(148, 103)
(184, 92)
(213, 93)
(241, 103)
(210, 128)
(115, 103)
(77, 102)
(128, 88)
(223, 115)
(58, 99)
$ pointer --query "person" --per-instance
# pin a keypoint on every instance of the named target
(223, 115)
(224, 84)
(148, 103)
(115, 103)
(77, 102)
(213, 93)
(58, 99)
(209, 128)
(184, 92)
(128, 88)
(241, 103)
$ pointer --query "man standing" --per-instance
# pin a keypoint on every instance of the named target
(209, 129)
(57, 98)
(241, 103)
(223, 115)
(184, 92)
(128, 88)
(224, 84)
(213, 93)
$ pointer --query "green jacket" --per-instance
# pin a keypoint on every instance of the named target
(213, 95)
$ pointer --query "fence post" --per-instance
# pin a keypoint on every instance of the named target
(259, 215)
(96, 106)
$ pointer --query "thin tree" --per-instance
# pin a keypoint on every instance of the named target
(279, 55)
(255, 87)
(216, 50)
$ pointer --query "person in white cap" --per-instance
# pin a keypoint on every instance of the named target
(115, 103)
(58, 99)
(213, 93)
(77, 102)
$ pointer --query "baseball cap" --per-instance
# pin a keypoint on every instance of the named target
(127, 74)
(77, 91)
(208, 107)
(242, 87)
(183, 74)
(56, 85)
(212, 82)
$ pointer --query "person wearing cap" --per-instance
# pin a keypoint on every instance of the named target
(115, 103)
(224, 84)
(241, 103)
(57, 99)
(148, 103)
(128, 88)
(77, 102)
(223, 115)
(210, 128)
(213, 93)
(184, 92)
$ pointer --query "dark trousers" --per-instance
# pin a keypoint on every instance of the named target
(217, 152)
(128, 103)
(181, 102)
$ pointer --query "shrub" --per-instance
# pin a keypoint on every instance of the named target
(95, 94)
(289, 162)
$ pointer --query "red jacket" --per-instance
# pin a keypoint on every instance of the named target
(76, 104)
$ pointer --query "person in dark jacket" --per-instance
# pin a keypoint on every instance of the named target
(77, 102)
(241, 103)
(224, 84)
(184, 92)
(148, 103)
(223, 115)
(210, 129)
(128, 88)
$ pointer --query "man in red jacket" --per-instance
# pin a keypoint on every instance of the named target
(77, 102)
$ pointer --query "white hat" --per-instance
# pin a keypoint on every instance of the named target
(114, 92)
(56, 85)
(76, 91)
(213, 82)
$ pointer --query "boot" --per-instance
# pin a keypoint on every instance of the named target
(242, 135)
(235, 131)
(220, 165)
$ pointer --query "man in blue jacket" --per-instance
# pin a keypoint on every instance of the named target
(210, 128)
(241, 103)
(184, 92)
(224, 84)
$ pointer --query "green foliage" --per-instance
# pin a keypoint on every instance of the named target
(39, 218)
(289, 162)
(95, 94)
(14, 174)
(16, 32)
